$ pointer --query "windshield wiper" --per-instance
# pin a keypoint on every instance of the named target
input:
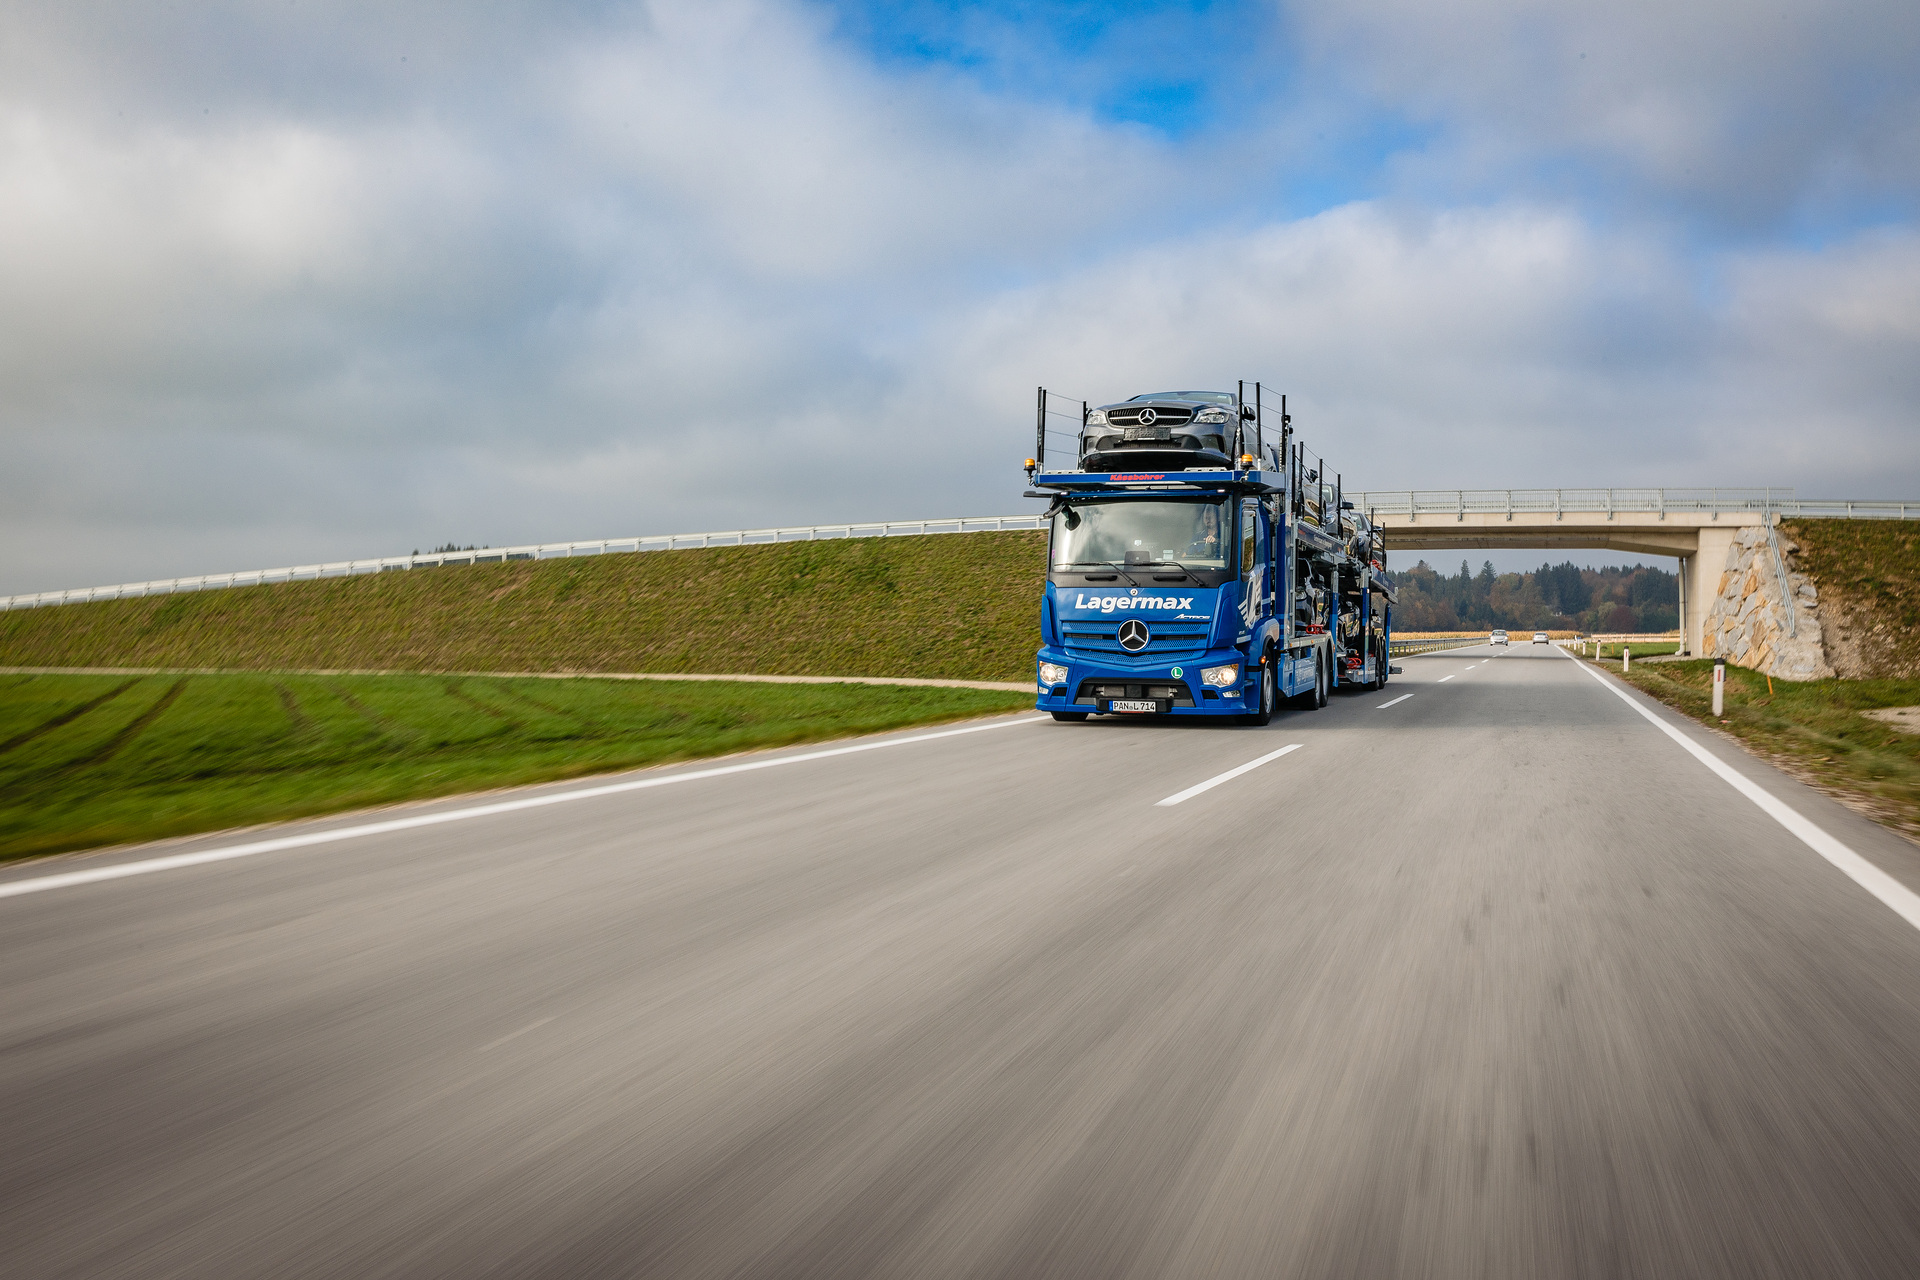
(1109, 564)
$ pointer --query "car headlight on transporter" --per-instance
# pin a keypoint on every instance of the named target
(1221, 677)
(1052, 673)
(1096, 417)
(1214, 415)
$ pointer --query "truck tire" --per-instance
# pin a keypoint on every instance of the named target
(1071, 716)
(1321, 679)
(1268, 695)
(1308, 700)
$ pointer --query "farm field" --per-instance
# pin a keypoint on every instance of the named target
(94, 760)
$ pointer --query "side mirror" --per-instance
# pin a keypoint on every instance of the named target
(1393, 671)
(1246, 411)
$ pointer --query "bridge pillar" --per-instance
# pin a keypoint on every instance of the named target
(1680, 579)
(1705, 568)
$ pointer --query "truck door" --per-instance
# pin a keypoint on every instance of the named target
(1256, 581)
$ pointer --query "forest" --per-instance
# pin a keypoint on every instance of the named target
(1562, 597)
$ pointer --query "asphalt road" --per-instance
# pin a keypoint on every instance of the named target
(1495, 981)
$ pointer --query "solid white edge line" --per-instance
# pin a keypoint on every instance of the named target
(1402, 698)
(1228, 776)
(14, 888)
(1890, 891)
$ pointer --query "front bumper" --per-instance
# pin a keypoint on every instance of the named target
(1091, 685)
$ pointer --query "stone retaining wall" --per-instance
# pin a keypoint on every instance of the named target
(1746, 623)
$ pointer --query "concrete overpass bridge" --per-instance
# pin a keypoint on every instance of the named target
(1696, 526)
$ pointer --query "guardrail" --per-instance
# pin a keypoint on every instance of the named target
(1415, 503)
(1408, 648)
(531, 551)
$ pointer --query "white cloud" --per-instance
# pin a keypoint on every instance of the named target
(686, 265)
(1511, 346)
(1751, 113)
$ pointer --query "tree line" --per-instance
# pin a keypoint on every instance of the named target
(1562, 597)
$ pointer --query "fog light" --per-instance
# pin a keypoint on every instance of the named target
(1221, 677)
(1052, 673)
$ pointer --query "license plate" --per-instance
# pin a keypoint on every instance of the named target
(1125, 705)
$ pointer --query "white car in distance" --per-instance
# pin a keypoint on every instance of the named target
(1498, 637)
(1540, 637)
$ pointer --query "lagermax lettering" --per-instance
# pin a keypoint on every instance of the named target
(1126, 604)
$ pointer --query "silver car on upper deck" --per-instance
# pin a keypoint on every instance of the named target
(1165, 431)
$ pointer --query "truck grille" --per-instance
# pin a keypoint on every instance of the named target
(1163, 417)
(1100, 641)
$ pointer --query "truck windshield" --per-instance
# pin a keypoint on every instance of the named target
(1186, 533)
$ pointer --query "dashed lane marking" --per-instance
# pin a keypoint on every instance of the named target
(1402, 698)
(1228, 776)
(513, 1035)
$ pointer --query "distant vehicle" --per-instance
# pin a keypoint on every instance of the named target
(1540, 637)
(1498, 637)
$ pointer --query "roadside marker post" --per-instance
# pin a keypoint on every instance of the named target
(1719, 686)
(1626, 658)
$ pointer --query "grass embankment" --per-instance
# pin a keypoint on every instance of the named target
(1641, 649)
(96, 760)
(956, 606)
(1868, 575)
(1814, 730)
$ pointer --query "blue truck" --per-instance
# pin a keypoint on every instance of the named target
(1200, 563)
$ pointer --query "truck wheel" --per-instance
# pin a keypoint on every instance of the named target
(1071, 715)
(1320, 681)
(1309, 699)
(1269, 694)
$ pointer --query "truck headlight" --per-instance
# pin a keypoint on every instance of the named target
(1096, 417)
(1052, 673)
(1221, 677)
(1214, 415)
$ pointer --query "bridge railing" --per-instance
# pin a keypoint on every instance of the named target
(1415, 503)
(531, 551)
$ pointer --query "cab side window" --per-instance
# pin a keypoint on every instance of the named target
(1249, 540)
(1253, 560)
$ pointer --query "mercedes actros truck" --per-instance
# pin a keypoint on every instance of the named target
(1201, 563)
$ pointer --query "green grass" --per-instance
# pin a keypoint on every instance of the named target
(956, 606)
(1641, 649)
(1815, 729)
(1868, 574)
(96, 760)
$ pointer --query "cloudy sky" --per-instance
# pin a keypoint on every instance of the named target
(291, 280)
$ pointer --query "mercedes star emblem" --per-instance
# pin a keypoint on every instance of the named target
(1148, 417)
(1134, 635)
